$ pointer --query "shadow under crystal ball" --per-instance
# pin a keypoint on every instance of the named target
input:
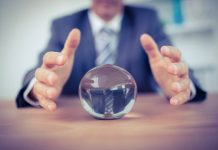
(107, 92)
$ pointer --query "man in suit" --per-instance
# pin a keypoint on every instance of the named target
(139, 45)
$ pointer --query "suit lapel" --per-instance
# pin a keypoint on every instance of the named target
(87, 44)
(125, 41)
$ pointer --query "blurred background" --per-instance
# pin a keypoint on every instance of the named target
(25, 30)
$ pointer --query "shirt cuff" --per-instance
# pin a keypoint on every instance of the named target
(193, 91)
(27, 92)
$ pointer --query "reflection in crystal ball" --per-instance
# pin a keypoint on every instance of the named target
(107, 92)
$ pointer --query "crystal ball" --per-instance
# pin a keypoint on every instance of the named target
(107, 92)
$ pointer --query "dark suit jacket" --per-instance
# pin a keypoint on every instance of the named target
(131, 56)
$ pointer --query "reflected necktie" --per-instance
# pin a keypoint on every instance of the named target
(109, 100)
(104, 43)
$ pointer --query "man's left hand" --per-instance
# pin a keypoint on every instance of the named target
(169, 71)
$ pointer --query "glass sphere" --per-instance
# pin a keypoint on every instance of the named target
(107, 92)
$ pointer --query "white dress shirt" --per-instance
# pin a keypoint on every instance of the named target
(97, 25)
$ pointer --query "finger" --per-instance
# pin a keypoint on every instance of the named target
(47, 104)
(150, 47)
(51, 59)
(71, 43)
(46, 91)
(171, 52)
(181, 85)
(46, 76)
(180, 98)
(180, 69)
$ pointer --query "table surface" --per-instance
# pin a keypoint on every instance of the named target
(152, 124)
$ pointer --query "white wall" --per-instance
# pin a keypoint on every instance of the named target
(24, 32)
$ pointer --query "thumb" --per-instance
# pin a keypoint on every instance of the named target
(150, 47)
(71, 43)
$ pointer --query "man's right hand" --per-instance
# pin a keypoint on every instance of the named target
(54, 72)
